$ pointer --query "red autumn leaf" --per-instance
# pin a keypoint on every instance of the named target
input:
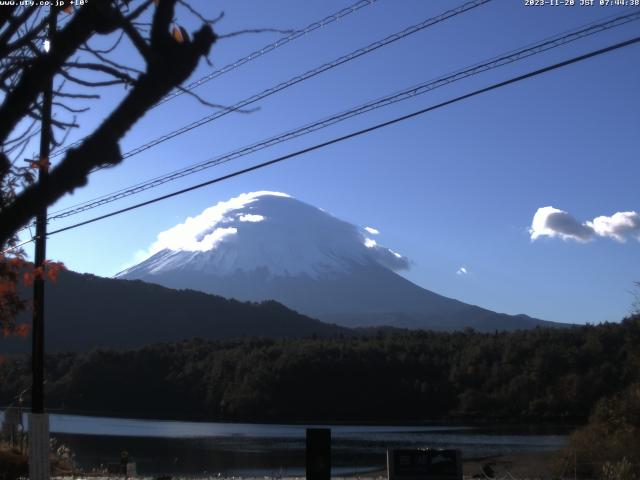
(23, 330)
(52, 275)
(27, 278)
(16, 262)
(38, 273)
(6, 287)
(177, 34)
(52, 269)
(42, 162)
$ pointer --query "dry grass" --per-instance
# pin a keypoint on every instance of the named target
(12, 463)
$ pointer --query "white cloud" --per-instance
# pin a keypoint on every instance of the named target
(200, 233)
(370, 243)
(384, 256)
(462, 271)
(617, 226)
(390, 259)
(311, 232)
(551, 222)
(249, 217)
(554, 223)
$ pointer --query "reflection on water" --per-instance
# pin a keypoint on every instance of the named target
(253, 449)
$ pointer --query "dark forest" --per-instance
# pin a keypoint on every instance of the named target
(539, 375)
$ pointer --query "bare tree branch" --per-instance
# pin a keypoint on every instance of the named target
(138, 41)
(89, 19)
(107, 50)
(91, 83)
(14, 24)
(5, 15)
(216, 105)
(98, 67)
(138, 11)
(31, 125)
(255, 30)
(199, 16)
(25, 39)
(168, 64)
(108, 61)
(71, 109)
(86, 96)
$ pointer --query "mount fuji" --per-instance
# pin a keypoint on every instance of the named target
(269, 246)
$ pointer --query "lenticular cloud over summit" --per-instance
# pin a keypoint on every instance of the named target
(264, 246)
(203, 232)
(265, 230)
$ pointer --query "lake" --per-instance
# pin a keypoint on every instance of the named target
(241, 449)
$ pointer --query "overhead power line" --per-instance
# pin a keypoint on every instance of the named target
(494, 62)
(300, 78)
(268, 48)
(358, 133)
(252, 56)
(378, 126)
(16, 247)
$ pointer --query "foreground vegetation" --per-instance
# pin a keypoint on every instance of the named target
(14, 463)
(608, 447)
(555, 375)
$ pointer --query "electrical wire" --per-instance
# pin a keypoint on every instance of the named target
(494, 62)
(241, 61)
(268, 48)
(299, 78)
(358, 133)
(15, 247)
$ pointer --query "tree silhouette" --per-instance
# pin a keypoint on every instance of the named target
(31, 57)
(168, 55)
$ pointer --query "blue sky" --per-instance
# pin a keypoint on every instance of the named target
(456, 187)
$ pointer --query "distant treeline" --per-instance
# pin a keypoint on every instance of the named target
(535, 375)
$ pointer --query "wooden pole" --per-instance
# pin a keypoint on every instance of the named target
(38, 421)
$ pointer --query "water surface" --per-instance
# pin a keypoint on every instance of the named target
(197, 448)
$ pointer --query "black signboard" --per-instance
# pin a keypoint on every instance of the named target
(424, 464)
(318, 453)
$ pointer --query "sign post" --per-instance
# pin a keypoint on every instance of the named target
(424, 464)
(38, 446)
(318, 453)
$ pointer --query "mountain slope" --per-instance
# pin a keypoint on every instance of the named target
(85, 311)
(267, 245)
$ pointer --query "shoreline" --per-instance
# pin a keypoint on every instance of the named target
(530, 465)
(453, 421)
(533, 465)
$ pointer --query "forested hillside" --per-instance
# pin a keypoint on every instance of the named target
(86, 312)
(534, 375)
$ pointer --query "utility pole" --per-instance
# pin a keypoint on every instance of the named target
(38, 420)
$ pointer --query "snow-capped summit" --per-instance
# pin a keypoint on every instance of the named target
(264, 231)
(270, 246)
